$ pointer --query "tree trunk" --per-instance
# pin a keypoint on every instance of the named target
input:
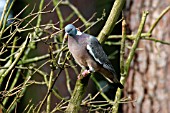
(149, 77)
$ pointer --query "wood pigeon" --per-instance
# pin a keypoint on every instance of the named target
(89, 54)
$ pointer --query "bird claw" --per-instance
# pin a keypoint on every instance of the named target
(83, 74)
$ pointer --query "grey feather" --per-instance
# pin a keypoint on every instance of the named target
(97, 52)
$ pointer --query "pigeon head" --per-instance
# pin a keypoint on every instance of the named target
(71, 30)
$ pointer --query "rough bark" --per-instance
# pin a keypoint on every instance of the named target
(149, 76)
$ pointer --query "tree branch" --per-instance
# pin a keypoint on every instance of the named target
(128, 62)
(111, 21)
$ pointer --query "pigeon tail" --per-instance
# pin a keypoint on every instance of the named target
(119, 85)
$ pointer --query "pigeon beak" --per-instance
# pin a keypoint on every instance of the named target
(66, 36)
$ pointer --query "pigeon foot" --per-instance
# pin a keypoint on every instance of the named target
(83, 74)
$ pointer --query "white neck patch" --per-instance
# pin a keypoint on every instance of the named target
(79, 33)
